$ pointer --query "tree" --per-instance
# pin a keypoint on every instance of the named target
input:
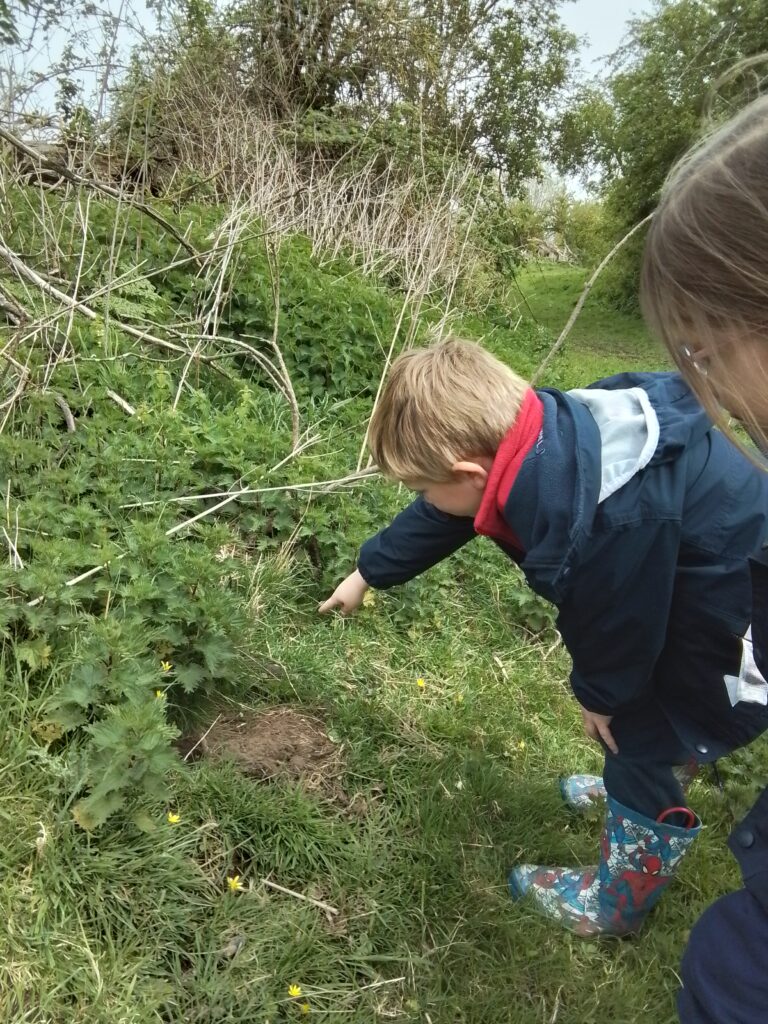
(479, 77)
(660, 96)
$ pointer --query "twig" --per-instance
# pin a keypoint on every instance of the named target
(556, 1008)
(69, 419)
(16, 561)
(378, 984)
(299, 896)
(582, 299)
(185, 371)
(322, 485)
(98, 186)
(11, 306)
(31, 275)
(125, 406)
(191, 750)
(290, 394)
(387, 362)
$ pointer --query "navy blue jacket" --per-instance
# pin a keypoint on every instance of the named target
(651, 584)
(725, 967)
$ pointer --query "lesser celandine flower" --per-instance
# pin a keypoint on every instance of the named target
(234, 883)
(294, 991)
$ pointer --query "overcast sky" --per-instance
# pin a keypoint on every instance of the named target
(604, 22)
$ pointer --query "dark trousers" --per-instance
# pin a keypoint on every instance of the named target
(641, 776)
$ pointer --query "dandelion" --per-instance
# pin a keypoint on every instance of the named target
(420, 683)
(166, 666)
(294, 991)
(234, 883)
(159, 695)
(173, 818)
(369, 600)
(304, 1007)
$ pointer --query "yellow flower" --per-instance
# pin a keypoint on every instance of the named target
(234, 883)
(459, 698)
(420, 683)
(159, 695)
(173, 818)
(521, 745)
(294, 991)
(368, 601)
(304, 1007)
(166, 666)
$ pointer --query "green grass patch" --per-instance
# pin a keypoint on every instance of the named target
(436, 789)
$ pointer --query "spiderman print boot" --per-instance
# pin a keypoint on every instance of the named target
(638, 860)
(581, 792)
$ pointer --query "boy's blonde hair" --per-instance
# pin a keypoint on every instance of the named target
(704, 279)
(440, 405)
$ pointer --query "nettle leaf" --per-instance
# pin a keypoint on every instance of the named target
(189, 677)
(35, 654)
(65, 718)
(92, 811)
(85, 685)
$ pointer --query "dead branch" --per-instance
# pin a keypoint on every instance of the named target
(125, 406)
(98, 186)
(25, 271)
(323, 486)
(13, 309)
(290, 394)
(69, 419)
(582, 299)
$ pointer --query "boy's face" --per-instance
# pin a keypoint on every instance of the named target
(463, 494)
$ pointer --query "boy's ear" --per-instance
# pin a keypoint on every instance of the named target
(474, 472)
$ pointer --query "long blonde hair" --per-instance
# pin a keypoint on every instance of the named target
(704, 278)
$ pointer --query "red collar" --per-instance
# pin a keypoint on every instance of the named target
(515, 445)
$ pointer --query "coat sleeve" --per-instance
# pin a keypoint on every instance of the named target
(418, 538)
(614, 615)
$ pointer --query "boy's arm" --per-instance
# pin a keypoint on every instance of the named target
(614, 617)
(418, 538)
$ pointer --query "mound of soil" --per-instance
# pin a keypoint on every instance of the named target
(280, 742)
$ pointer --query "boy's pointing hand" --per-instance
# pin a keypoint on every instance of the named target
(347, 597)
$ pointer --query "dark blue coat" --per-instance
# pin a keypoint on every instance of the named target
(725, 967)
(651, 584)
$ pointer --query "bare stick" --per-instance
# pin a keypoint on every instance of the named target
(16, 561)
(184, 375)
(299, 896)
(582, 299)
(290, 394)
(12, 308)
(31, 275)
(69, 419)
(383, 377)
(98, 186)
(125, 406)
(321, 485)
(191, 750)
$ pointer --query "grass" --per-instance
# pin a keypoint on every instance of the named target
(447, 785)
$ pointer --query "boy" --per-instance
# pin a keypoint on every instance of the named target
(626, 510)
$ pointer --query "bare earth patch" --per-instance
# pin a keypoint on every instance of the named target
(278, 743)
